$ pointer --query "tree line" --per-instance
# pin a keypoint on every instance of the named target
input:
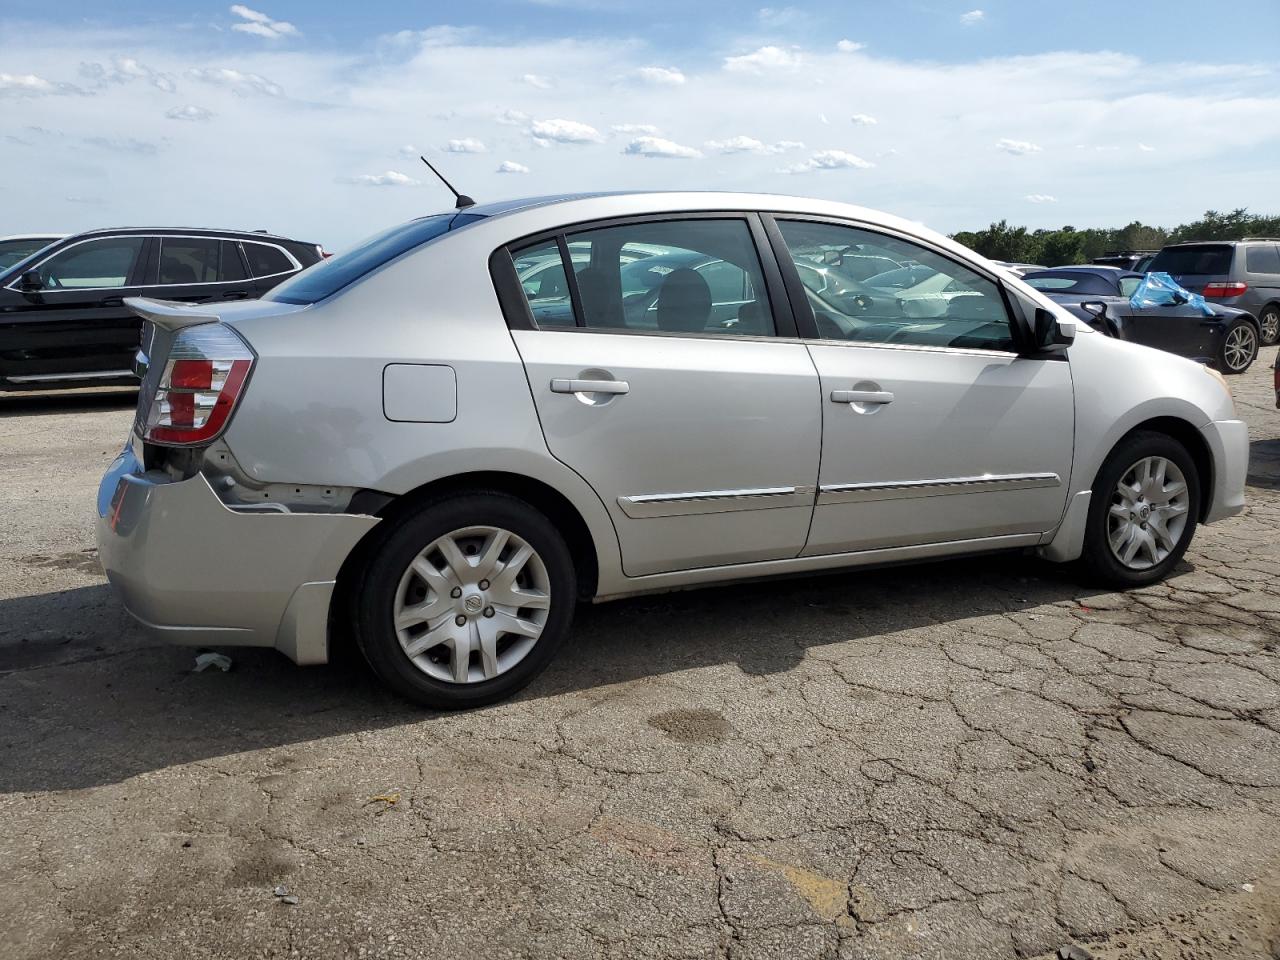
(1055, 248)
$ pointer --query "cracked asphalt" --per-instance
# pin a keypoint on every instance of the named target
(971, 759)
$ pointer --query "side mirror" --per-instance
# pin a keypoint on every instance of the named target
(31, 282)
(1098, 310)
(1051, 332)
(1179, 297)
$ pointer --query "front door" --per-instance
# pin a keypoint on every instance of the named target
(75, 325)
(934, 429)
(1177, 328)
(702, 442)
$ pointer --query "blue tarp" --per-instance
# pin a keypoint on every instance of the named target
(1161, 290)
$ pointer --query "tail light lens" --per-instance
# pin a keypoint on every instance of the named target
(202, 380)
(1217, 291)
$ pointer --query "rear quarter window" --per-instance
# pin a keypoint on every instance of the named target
(1193, 260)
(1263, 258)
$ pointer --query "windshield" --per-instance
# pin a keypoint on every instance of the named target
(13, 252)
(1192, 260)
(1075, 282)
(327, 277)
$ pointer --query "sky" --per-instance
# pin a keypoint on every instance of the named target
(307, 118)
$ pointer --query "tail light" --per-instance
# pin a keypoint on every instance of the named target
(1217, 291)
(202, 380)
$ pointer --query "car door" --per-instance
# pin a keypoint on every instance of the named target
(1176, 327)
(75, 325)
(935, 430)
(199, 270)
(702, 443)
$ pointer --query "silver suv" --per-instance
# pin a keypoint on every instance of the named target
(435, 441)
(1237, 273)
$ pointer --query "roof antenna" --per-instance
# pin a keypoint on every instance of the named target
(463, 200)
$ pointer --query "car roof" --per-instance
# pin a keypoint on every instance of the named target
(187, 231)
(34, 236)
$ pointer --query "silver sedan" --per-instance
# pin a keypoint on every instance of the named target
(448, 436)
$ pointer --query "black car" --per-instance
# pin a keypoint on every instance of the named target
(1227, 338)
(63, 322)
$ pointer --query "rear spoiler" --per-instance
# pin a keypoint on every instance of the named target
(172, 314)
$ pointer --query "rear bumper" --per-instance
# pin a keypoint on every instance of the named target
(1228, 442)
(191, 571)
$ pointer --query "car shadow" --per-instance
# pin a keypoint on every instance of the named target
(86, 699)
(1264, 464)
(67, 401)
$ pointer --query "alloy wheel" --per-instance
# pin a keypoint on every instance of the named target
(472, 604)
(1241, 347)
(1148, 513)
(1270, 321)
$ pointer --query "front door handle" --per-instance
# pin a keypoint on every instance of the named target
(111, 302)
(590, 386)
(237, 295)
(861, 396)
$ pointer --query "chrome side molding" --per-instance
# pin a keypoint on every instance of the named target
(904, 489)
(715, 501)
(83, 375)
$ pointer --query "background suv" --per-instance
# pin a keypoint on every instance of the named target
(1239, 273)
(63, 322)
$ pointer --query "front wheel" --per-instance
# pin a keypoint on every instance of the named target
(465, 601)
(1269, 320)
(1143, 511)
(1239, 347)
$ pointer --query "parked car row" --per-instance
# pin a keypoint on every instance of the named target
(63, 318)
(445, 437)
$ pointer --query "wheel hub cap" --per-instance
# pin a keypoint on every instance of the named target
(1148, 513)
(472, 604)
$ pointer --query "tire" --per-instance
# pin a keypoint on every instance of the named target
(409, 573)
(1239, 348)
(1148, 565)
(1269, 321)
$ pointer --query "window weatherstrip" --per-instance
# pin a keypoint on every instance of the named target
(714, 501)
(906, 489)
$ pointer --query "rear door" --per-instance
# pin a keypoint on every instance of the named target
(702, 442)
(199, 270)
(76, 325)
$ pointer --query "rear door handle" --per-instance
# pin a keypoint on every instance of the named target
(861, 396)
(112, 302)
(590, 386)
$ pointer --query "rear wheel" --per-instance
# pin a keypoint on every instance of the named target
(465, 601)
(1269, 320)
(1142, 514)
(1239, 347)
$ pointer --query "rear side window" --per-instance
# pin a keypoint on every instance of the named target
(1205, 259)
(1263, 258)
(186, 260)
(327, 277)
(691, 276)
(265, 261)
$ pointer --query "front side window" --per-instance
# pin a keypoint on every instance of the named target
(680, 276)
(929, 300)
(186, 260)
(94, 264)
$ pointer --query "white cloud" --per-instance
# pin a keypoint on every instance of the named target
(126, 70)
(849, 46)
(1146, 149)
(512, 118)
(664, 76)
(634, 128)
(829, 160)
(466, 145)
(864, 120)
(391, 178)
(409, 150)
(1018, 148)
(189, 112)
(537, 80)
(236, 81)
(25, 84)
(763, 60)
(972, 18)
(261, 25)
(779, 16)
(743, 144)
(658, 147)
(510, 166)
(1040, 198)
(564, 131)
